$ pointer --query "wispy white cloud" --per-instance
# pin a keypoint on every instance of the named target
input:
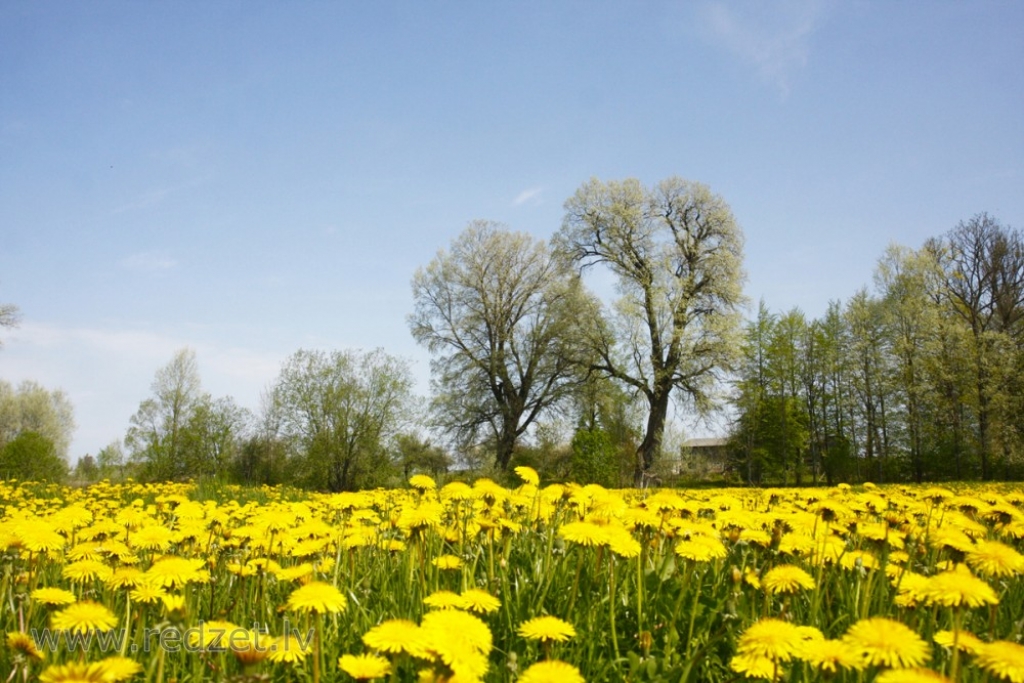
(107, 371)
(151, 262)
(774, 38)
(157, 195)
(530, 195)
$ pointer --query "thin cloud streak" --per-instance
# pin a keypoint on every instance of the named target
(776, 43)
(531, 195)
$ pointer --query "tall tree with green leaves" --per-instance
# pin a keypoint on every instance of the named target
(676, 252)
(752, 392)
(342, 411)
(30, 407)
(157, 437)
(870, 375)
(505, 323)
(983, 265)
(904, 279)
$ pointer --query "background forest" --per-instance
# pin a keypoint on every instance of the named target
(917, 378)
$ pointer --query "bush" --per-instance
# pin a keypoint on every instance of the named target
(30, 456)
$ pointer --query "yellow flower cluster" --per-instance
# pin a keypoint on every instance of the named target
(449, 579)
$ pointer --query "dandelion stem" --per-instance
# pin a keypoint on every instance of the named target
(611, 603)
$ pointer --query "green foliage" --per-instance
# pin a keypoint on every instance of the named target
(29, 407)
(417, 455)
(505, 322)
(595, 459)
(918, 380)
(30, 456)
(676, 251)
(340, 413)
(181, 432)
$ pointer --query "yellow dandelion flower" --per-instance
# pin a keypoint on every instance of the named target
(214, 635)
(427, 514)
(786, 578)
(911, 676)
(757, 536)
(528, 475)
(447, 562)
(87, 570)
(152, 537)
(393, 545)
(289, 649)
(701, 549)
(39, 537)
(551, 671)
(885, 642)
(622, 543)
(584, 533)
(965, 641)
(857, 559)
(479, 601)
(397, 635)
(249, 647)
(118, 668)
(547, 628)
(456, 490)
(956, 588)
(147, 593)
(422, 482)
(364, 667)
(79, 672)
(460, 640)
(444, 600)
(1004, 659)
(53, 596)
(831, 655)
(996, 559)
(124, 577)
(174, 572)
(83, 617)
(755, 666)
(23, 643)
(295, 573)
(85, 551)
(317, 596)
(774, 639)
(173, 604)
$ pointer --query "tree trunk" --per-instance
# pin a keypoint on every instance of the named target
(506, 446)
(649, 447)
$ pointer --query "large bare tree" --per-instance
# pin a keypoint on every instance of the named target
(677, 254)
(502, 319)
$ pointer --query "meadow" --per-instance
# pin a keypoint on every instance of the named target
(480, 582)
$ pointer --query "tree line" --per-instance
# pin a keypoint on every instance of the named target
(917, 379)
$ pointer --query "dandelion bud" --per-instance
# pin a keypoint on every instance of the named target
(646, 641)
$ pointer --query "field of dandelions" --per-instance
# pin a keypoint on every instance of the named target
(172, 583)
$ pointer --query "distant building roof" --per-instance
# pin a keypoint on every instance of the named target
(715, 442)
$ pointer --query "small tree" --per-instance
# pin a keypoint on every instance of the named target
(30, 456)
(342, 411)
(594, 457)
(111, 462)
(86, 470)
(157, 436)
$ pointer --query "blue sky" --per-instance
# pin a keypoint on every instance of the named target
(252, 178)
